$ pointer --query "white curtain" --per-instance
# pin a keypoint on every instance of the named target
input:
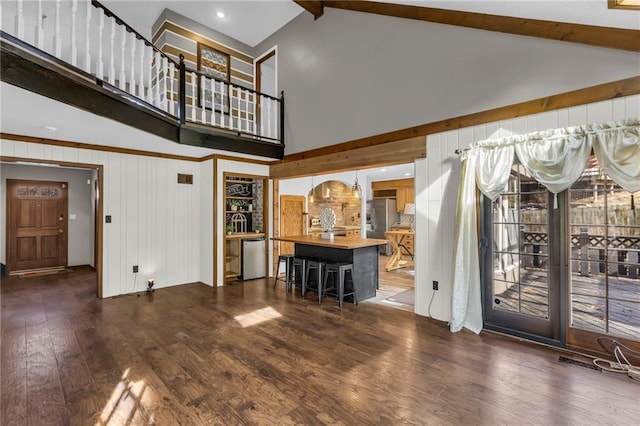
(555, 158)
(618, 151)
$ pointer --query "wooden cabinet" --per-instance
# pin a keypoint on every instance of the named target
(353, 233)
(400, 189)
(404, 196)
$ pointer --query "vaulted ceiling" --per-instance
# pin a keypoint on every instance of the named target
(251, 21)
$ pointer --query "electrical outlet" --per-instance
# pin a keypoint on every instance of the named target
(435, 285)
(135, 269)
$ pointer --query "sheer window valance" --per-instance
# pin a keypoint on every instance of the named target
(555, 158)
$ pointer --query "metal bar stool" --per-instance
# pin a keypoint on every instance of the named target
(288, 271)
(318, 266)
(340, 270)
(301, 264)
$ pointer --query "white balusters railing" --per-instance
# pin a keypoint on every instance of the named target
(112, 55)
(57, 40)
(132, 78)
(143, 49)
(74, 47)
(91, 39)
(123, 42)
(87, 37)
(19, 19)
(100, 62)
(39, 30)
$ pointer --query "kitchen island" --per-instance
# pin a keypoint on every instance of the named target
(361, 252)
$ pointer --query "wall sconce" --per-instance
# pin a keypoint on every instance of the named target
(356, 190)
(311, 197)
(150, 283)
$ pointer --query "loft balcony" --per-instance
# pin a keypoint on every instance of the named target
(78, 52)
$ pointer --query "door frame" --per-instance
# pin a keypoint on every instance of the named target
(257, 71)
(266, 219)
(98, 226)
(521, 326)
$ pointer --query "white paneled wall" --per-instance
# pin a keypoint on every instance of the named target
(437, 180)
(229, 166)
(156, 222)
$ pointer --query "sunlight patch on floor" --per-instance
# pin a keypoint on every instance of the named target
(126, 405)
(257, 317)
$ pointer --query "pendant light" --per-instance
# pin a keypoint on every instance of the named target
(311, 197)
(356, 190)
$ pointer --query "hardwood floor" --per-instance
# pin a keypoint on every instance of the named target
(396, 287)
(249, 354)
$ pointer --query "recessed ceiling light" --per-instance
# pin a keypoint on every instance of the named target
(220, 15)
(407, 174)
(383, 170)
(50, 128)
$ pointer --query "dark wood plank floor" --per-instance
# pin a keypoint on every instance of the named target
(248, 354)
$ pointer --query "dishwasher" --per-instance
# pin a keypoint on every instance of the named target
(253, 263)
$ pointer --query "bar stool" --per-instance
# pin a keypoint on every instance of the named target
(340, 270)
(318, 266)
(288, 270)
(301, 264)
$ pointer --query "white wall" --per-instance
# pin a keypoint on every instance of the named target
(155, 221)
(230, 166)
(437, 179)
(349, 75)
(80, 229)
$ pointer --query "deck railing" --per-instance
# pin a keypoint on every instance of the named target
(590, 254)
(88, 39)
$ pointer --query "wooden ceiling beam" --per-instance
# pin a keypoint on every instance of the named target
(315, 7)
(613, 38)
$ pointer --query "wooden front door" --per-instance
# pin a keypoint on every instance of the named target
(291, 219)
(36, 224)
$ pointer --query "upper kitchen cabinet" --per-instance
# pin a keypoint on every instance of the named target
(400, 189)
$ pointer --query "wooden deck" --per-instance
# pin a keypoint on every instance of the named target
(249, 354)
(587, 302)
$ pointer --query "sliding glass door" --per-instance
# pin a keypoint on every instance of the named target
(604, 279)
(563, 271)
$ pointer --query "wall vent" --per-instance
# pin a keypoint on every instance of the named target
(186, 179)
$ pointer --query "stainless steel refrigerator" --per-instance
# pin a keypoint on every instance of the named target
(383, 216)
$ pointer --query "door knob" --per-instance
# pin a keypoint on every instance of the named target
(60, 231)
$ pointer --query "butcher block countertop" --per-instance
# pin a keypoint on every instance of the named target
(337, 242)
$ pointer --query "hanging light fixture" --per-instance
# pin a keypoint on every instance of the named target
(311, 197)
(356, 190)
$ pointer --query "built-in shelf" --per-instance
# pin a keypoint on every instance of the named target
(239, 211)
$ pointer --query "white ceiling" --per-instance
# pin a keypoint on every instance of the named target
(588, 12)
(251, 21)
